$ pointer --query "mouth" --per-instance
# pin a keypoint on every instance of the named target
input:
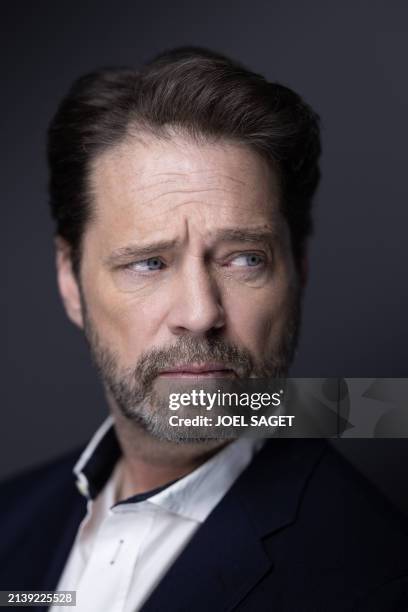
(208, 370)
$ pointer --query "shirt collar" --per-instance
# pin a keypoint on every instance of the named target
(192, 496)
(96, 463)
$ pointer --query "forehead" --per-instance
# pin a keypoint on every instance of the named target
(147, 186)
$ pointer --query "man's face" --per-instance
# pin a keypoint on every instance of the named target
(187, 266)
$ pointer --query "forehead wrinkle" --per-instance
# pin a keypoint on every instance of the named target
(227, 176)
(238, 199)
(213, 178)
(174, 207)
(186, 191)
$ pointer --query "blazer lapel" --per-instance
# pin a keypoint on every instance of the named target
(68, 530)
(225, 558)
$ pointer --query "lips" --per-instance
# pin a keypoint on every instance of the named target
(208, 370)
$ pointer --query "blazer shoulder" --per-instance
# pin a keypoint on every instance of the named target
(44, 478)
(349, 489)
(340, 506)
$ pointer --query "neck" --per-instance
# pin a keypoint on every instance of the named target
(149, 463)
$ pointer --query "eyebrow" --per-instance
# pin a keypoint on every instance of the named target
(247, 234)
(139, 251)
(231, 234)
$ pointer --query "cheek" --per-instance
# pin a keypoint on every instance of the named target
(124, 323)
(259, 319)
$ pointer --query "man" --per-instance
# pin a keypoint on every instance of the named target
(182, 196)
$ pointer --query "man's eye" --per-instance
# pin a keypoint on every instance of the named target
(249, 260)
(147, 265)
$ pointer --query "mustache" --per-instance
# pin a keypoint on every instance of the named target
(187, 350)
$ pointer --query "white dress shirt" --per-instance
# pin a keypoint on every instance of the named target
(122, 550)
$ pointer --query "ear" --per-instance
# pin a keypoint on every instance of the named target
(67, 282)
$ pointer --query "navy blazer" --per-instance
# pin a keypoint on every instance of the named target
(299, 531)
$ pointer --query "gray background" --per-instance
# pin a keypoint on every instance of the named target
(348, 60)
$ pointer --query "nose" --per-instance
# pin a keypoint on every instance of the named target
(196, 307)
